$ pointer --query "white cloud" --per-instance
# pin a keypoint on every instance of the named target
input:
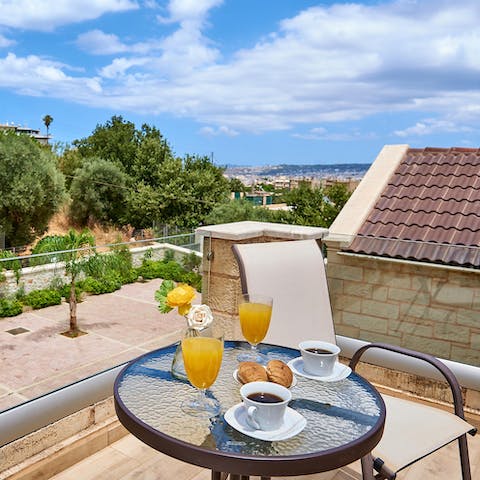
(188, 10)
(100, 43)
(43, 15)
(321, 133)
(97, 42)
(221, 130)
(327, 64)
(431, 126)
(36, 77)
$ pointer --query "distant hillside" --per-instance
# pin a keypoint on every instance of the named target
(352, 170)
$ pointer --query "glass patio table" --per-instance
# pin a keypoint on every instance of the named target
(345, 419)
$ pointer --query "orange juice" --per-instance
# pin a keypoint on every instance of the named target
(254, 320)
(202, 357)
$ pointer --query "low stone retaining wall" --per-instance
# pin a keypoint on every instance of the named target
(42, 276)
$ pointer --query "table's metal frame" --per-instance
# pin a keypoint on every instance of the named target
(241, 466)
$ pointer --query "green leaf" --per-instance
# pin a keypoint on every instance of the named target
(161, 295)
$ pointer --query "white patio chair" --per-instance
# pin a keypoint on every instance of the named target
(293, 273)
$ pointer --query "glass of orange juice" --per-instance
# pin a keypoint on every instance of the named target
(202, 355)
(255, 312)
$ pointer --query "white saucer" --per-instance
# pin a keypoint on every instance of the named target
(235, 376)
(294, 423)
(340, 371)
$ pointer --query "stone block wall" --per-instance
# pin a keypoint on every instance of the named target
(427, 308)
(42, 276)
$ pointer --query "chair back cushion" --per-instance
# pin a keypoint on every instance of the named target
(293, 274)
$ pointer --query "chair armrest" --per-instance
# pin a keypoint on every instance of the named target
(440, 366)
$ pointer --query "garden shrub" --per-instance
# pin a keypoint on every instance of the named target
(169, 271)
(50, 243)
(42, 298)
(106, 284)
(10, 307)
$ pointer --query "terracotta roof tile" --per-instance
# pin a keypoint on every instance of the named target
(432, 198)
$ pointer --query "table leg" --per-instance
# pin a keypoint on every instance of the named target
(367, 467)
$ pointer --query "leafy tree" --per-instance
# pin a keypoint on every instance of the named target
(78, 245)
(118, 141)
(316, 206)
(69, 161)
(31, 188)
(204, 186)
(114, 141)
(143, 206)
(99, 193)
(47, 120)
(337, 196)
(187, 192)
(239, 211)
(236, 185)
(151, 153)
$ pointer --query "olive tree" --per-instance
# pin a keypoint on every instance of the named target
(31, 188)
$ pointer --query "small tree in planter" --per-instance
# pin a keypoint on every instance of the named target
(76, 247)
(79, 244)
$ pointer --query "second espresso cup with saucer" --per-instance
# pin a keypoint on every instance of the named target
(265, 404)
(319, 358)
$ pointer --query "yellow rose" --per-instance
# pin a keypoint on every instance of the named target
(181, 297)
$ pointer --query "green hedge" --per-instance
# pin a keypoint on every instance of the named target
(42, 298)
(107, 284)
(10, 308)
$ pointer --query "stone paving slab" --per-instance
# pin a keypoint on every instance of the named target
(120, 326)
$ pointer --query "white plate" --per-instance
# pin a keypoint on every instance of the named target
(340, 371)
(294, 423)
(235, 376)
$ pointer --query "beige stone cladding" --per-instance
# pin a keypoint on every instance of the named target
(433, 309)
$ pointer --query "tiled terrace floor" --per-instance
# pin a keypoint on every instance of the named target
(121, 325)
(130, 459)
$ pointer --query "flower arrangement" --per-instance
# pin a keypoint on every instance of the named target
(170, 296)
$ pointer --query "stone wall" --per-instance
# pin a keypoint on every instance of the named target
(42, 276)
(427, 308)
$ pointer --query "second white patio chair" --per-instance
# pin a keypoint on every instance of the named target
(293, 273)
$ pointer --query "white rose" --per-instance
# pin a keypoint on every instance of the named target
(199, 317)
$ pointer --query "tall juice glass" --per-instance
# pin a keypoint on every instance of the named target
(255, 312)
(202, 356)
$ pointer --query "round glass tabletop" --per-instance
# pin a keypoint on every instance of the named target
(344, 419)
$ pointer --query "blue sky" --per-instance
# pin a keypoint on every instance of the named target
(251, 81)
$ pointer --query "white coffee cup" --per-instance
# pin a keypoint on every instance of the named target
(321, 363)
(260, 414)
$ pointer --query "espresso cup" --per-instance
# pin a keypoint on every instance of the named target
(319, 357)
(265, 404)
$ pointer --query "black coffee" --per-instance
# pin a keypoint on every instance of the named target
(319, 351)
(263, 397)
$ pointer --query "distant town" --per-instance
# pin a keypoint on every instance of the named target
(289, 176)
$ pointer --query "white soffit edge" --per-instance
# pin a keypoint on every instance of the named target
(359, 205)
